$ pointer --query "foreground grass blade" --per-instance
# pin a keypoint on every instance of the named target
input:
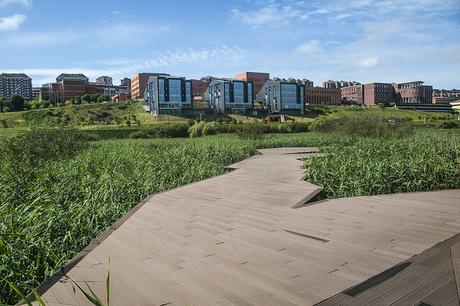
(38, 298)
(16, 289)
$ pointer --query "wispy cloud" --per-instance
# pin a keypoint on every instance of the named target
(26, 3)
(309, 47)
(367, 62)
(166, 61)
(272, 14)
(11, 23)
(102, 35)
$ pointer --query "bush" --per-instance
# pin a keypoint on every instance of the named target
(162, 131)
(247, 129)
(448, 125)
(366, 123)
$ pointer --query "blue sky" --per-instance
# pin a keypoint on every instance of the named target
(362, 40)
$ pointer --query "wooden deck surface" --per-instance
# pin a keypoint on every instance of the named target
(237, 240)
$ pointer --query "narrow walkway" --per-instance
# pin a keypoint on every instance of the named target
(237, 240)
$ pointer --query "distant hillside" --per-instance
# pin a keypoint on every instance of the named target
(84, 116)
(125, 114)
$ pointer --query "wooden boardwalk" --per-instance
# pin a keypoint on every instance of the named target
(237, 240)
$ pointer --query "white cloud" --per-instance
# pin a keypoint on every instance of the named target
(97, 36)
(309, 47)
(11, 23)
(166, 61)
(368, 62)
(26, 3)
(269, 15)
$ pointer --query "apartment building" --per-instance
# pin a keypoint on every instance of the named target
(72, 77)
(104, 80)
(35, 92)
(15, 84)
(339, 84)
(352, 94)
(168, 95)
(413, 92)
(139, 83)
(282, 96)
(378, 94)
(258, 80)
(230, 96)
(69, 86)
(322, 95)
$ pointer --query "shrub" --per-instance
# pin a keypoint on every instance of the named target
(448, 125)
(246, 129)
(162, 131)
(367, 123)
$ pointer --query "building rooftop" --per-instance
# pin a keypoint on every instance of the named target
(14, 75)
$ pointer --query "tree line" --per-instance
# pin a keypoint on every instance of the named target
(17, 103)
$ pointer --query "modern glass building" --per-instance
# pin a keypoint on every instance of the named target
(230, 96)
(168, 95)
(282, 97)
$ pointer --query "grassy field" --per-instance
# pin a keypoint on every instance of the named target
(111, 115)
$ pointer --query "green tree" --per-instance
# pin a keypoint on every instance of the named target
(103, 98)
(1, 104)
(16, 103)
(86, 98)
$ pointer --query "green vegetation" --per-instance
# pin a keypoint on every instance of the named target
(117, 114)
(54, 204)
(61, 188)
(387, 154)
(258, 128)
(370, 166)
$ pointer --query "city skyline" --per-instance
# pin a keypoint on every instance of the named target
(366, 41)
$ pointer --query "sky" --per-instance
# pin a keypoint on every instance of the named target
(361, 40)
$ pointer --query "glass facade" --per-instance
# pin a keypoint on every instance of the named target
(289, 96)
(227, 92)
(161, 90)
(249, 92)
(188, 92)
(238, 92)
(175, 91)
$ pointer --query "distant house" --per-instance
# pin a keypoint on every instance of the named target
(230, 96)
(168, 95)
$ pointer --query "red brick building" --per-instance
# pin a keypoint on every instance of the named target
(70, 86)
(121, 97)
(378, 94)
(321, 95)
(413, 92)
(139, 83)
(353, 94)
(199, 87)
(257, 78)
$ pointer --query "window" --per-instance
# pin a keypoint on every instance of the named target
(161, 90)
(175, 91)
(288, 96)
(249, 92)
(188, 92)
(227, 92)
(238, 92)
